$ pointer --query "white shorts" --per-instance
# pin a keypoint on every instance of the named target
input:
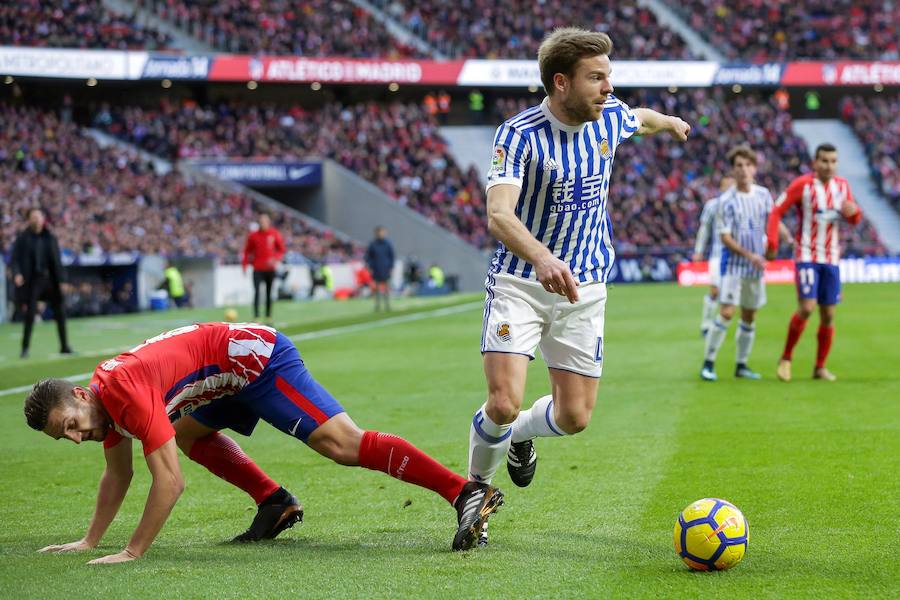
(715, 271)
(520, 315)
(746, 292)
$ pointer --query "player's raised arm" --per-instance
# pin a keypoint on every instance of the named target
(504, 225)
(167, 486)
(653, 122)
(113, 486)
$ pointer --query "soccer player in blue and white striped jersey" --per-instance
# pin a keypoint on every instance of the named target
(741, 224)
(706, 235)
(547, 194)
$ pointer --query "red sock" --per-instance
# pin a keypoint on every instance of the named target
(398, 458)
(795, 330)
(223, 457)
(825, 335)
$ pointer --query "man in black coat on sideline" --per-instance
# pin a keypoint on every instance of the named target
(37, 274)
(380, 260)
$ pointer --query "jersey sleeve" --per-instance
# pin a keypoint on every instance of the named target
(141, 412)
(725, 219)
(790, 197)
(625, 123)
(706, 225)
(510, 158)
(856, 218)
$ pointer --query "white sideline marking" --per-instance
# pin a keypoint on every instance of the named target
(312, 335)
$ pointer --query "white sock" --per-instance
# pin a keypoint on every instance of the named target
(488, 445)
(537, 421)
(709, 312)
(716, 336)
(746, 333)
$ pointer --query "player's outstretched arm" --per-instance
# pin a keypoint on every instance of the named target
(653, 122)
(165, 490)
(554, 274)
(113, 487)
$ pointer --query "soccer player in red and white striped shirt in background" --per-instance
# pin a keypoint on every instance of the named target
(821, 199)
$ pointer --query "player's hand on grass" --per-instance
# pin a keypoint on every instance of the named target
(679, 129)
(556, 277)
(757, 261)
(123, 556)
(78, 546)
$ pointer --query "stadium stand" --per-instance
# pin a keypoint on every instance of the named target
(107, 200)
(515, 29)
(760, 30)
(876, 122)
(308, 28)
(74, 24)
(396, 146)
(658, 187)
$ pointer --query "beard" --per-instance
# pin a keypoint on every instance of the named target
(580, 110)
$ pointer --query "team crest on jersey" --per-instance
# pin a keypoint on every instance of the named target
(503, 332)
(605, 151)
(499, 158)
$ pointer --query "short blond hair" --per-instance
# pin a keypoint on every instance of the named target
(564, 47)
(742, 151)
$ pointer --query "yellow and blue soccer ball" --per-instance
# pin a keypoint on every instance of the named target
(711, 535)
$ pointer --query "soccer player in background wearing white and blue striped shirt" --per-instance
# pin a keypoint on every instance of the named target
(706, 234)
(547, 205)
(741, 223)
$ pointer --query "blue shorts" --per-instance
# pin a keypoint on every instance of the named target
(819, 282)
(285, 395)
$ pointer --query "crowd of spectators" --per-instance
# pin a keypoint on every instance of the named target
(780, 30)
(396, 146)
(876, 122)
(515, 28)
(74, 24)
(658, 186)
(294, 27)
(104, 200)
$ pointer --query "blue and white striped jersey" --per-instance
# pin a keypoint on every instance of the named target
(706, 233)
(564, 174)
(744, 216)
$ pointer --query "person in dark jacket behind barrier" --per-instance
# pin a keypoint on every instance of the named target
(37, 274)
(380, 260)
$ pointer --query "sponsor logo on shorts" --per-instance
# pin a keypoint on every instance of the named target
(503, 332)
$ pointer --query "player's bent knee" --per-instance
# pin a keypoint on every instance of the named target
(572, 424)
(502, 408)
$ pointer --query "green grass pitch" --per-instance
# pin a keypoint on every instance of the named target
(814, 466)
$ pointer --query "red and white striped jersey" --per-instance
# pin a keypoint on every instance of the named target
(179, 370)
(819, 207)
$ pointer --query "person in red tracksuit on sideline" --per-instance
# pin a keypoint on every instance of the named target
(264, 249)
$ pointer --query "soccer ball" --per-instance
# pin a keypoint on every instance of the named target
(231, 315)
(711, 535)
